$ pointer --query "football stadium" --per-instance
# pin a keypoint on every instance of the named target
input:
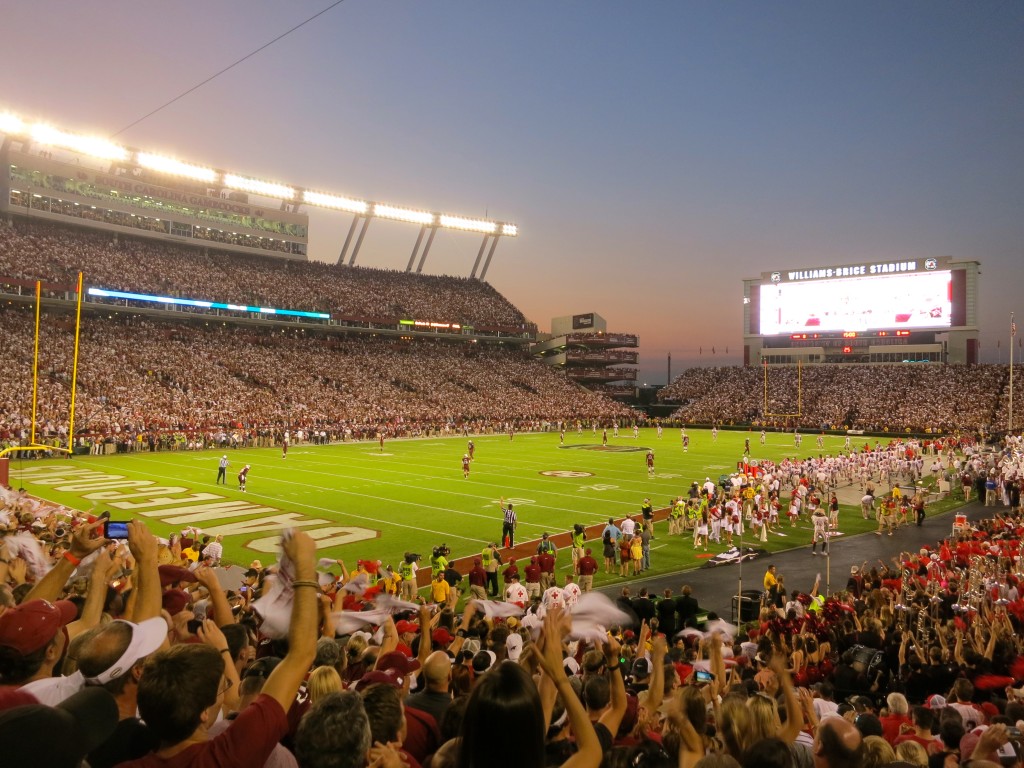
(261, 509)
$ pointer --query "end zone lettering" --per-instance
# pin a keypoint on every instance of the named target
(183, 509)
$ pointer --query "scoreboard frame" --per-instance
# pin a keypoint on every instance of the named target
(950, 340)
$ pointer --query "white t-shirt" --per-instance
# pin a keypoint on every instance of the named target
(571, 593)
(516, 593)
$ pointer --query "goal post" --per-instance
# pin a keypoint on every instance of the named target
(33, 443)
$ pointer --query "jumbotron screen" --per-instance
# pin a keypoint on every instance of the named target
(911, 300)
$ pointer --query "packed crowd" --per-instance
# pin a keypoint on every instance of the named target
(32, 250)
(198, 382)
(133, 654)
(869, 397)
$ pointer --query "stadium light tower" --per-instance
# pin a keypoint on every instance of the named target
(290, 195)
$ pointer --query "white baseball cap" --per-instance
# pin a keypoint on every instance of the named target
(147, 637)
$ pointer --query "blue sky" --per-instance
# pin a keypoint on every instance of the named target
(653, 153)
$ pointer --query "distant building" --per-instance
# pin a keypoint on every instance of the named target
(591, 356)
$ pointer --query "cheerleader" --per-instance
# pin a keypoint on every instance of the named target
(728, 524)
(773, 513)
(715, 514)
(794, 510)
(700, 530)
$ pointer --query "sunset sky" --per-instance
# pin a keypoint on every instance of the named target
(654, 154)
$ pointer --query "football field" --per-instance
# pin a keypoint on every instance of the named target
(363, 502)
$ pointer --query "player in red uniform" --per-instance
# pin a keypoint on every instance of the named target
(471, 448)
(380, 439)
(465, 465)
(650, 463)
(242, 476)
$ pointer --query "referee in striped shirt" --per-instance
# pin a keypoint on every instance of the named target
(508, 526)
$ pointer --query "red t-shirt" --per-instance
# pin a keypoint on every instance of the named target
(247, 742)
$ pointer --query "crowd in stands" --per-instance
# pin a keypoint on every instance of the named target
(205, 380)
(132, 653)
(869, 397)
(34, 250)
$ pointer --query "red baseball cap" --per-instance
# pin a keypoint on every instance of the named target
(175, 601)
(404, 626)
(30, 626)
(441, 636)
(379, 677)
(399, 662)
(169, 574)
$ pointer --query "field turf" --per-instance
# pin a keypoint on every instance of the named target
(360, 501)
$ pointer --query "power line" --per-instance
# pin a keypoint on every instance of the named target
(227, 68)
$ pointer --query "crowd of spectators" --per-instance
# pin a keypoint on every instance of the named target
(133, 653)
(204, 380)
(869, 397)
(34, 250)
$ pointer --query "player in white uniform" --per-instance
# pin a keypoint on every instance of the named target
(820, 521)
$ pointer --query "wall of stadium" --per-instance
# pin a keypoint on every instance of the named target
(916, 310)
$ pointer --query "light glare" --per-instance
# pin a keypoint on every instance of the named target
(173, 167)
(472, 225)
(334, 201)
(11, 123)
(402, 214)
(86, 145)
(258, 187)
(509, 230)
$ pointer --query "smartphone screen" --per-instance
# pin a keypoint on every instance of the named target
(115, 529)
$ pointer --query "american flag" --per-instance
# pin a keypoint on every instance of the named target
(1013, 328)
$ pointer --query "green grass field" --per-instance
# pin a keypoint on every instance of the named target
(361, 502)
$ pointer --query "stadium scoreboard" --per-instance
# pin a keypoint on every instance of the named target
(913, 310)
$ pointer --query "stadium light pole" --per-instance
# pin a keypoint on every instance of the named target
(426, 249)
(490, 254)
(348, 240)
(479, 255)
(416, 248)
(359, 240)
